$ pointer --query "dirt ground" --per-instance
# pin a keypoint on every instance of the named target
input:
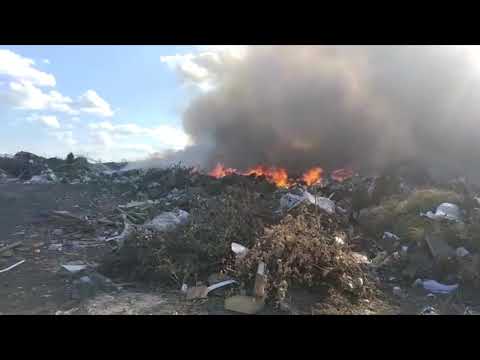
(37, 287)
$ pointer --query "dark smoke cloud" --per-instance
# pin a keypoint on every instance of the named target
(334, 106)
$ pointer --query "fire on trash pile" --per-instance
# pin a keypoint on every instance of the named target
(259, 241)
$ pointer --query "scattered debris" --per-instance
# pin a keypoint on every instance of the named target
(201, 292)
(429, 310)
(260, 281)
(11, 246)
(57, 232)
(445, 211)
(197, 292)
(221, 284)
(177, 223)
(360, 258)
(12, 266)
(461, 252)
(127, 231)
(397, 291)
(55, 247)
(239, 250)
(74, 268)
(436, 287)
(168, 220)
(438, 247)
(339, 241)
(244, 304)
(390, 236)
(290, 201)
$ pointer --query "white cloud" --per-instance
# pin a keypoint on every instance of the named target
(170, 136)
(105, 125)
(21, 68)
(21, 86)
(65, 137)
(103, 138)
(50, 121)
(164, 135)
(91, 102)
(138, 148)
(204, 68)
(25, 95)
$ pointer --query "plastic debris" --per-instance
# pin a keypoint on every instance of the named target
(322, 202)
(168, 220)
(445, 211)
(397, 291)
(429, 310)
(38, 179)
(461, 252)
(239, 250)
(74, 268)
(390, 236)
(221, 284)
(12, 266)
(55, 247)
(201, 292)
(436, 287)
(290, 201)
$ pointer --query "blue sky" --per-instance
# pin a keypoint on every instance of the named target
(106, 102)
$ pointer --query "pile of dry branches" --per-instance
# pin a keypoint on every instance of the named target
(301, 251)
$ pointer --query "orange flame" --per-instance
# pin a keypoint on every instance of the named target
(278, 176)
(220, 171)
(313, 176)
(341, 175)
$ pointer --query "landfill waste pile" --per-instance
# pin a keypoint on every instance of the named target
(347, 244)
(33, 169)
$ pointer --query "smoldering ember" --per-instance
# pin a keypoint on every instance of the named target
(318, 180)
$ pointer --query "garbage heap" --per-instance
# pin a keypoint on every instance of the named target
(344, 240)
(32, 169)
(187, 235)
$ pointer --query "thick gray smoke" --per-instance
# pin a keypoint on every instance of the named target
(336, 106)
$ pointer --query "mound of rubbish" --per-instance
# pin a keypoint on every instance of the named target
(34, 169)
(347, 242)
(179, 243)
(306, 249)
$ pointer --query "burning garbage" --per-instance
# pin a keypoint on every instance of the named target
(258, 237)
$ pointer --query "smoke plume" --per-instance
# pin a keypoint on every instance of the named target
(337, 106)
